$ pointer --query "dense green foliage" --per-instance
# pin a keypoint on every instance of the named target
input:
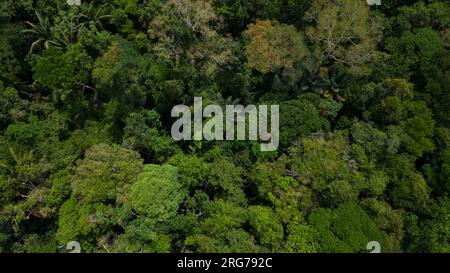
(86, 154)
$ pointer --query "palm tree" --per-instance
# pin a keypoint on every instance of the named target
(94, 14)
(57, 36)
(43, 31)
